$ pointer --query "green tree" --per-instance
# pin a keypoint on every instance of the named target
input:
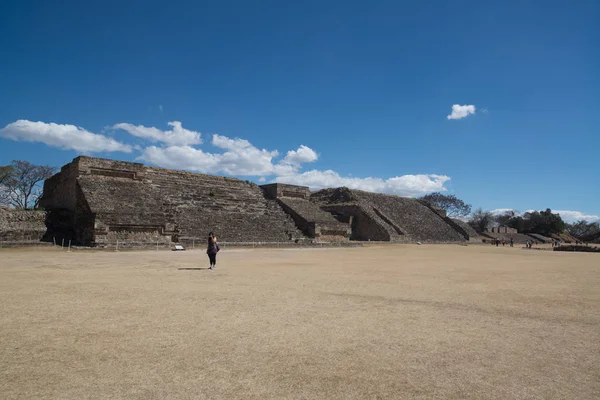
(453, 206)
(543, 222)
(516, 222)
(22, 187)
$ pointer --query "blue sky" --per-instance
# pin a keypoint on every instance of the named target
(365, 87)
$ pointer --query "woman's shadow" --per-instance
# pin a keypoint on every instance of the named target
(191, 269)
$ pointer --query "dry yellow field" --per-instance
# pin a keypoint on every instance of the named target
(388, 322)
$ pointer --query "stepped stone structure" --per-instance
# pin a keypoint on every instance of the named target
(540, 238)
(96, 201)
(468, 229)
(309, 217)
(21, 225)
(382, 217)
(564, 237)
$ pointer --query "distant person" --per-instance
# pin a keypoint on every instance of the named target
(497, 242)
(212, 249)
(503, 242)
(512, 242)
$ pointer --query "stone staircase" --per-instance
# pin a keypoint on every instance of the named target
(314, 221)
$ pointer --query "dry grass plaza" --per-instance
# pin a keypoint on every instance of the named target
(377, 322)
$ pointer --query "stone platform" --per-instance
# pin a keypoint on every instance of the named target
(96, 201)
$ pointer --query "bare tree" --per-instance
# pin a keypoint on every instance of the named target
(581, 229)
(505, 217)
(480, 220)
(22, 188)
(4, 173)
(453, 206)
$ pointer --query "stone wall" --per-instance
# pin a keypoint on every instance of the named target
(115, 200)
(22, 225)
(582, 248)
(60, 190)
(501, 229)
(540, 238)
(279, 190)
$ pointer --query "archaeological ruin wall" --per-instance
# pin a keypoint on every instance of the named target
(98, 201)
(501, 229)
(22, 225)
(94, 201)
(313, 221)
(387, 217)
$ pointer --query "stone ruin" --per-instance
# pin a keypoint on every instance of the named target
(501, 229)
(471, 233)
(308, 216)
(96, 202)
(21, 225)
(388, 218)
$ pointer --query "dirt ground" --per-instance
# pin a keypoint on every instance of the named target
(397, 322)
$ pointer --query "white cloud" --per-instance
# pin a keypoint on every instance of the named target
(459, 111)
(574, 216)
(502, 211)
(240, 158)
(237, 157)
(177, 136)
(569, 216)
(237, 144)
(405, 185)
(160, 108)
(304, 154)
(68, 137)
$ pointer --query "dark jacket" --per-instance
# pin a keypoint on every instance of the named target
(213, 248)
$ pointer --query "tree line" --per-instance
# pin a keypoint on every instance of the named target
(541, 222)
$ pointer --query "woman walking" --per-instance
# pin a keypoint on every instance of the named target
(212, 250)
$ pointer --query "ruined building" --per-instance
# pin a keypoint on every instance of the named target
(382, 217)
(21, 225)
(96, 201)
